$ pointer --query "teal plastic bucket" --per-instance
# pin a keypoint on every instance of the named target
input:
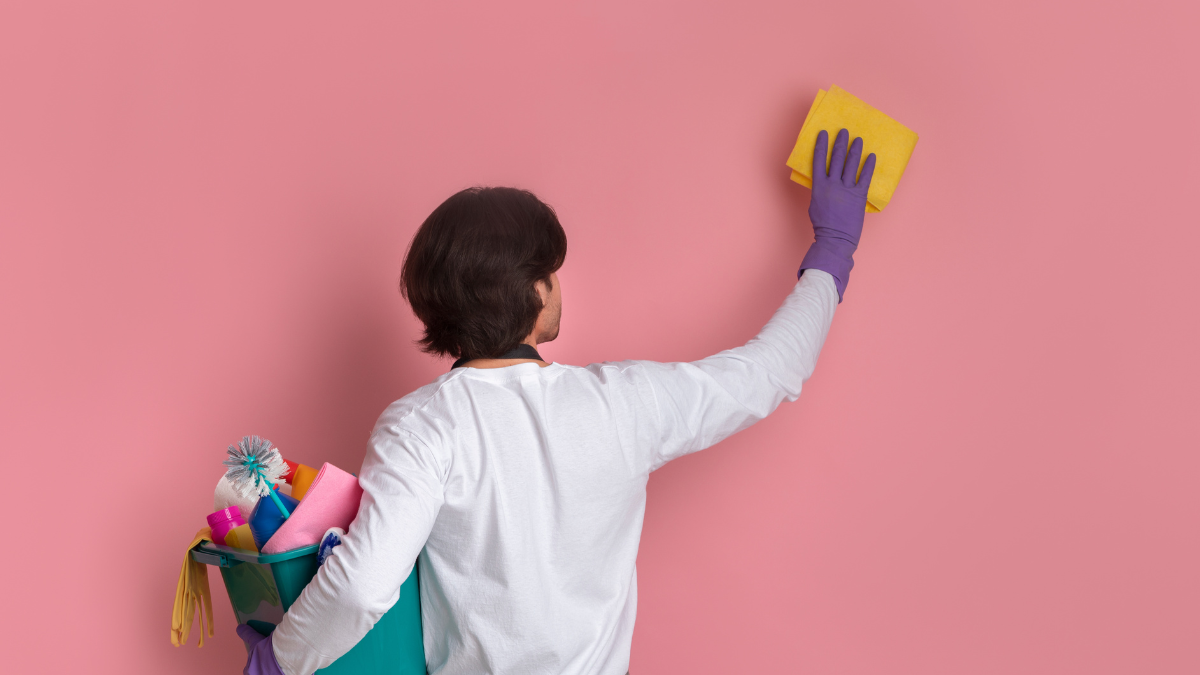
(262, 587)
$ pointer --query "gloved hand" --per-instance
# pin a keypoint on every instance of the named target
(837, 208)
(262, 655)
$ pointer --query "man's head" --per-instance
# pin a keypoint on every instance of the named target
(480, 271)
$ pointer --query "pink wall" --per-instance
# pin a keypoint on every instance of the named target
(204, 207)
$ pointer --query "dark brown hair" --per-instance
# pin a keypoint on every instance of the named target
(471, 268)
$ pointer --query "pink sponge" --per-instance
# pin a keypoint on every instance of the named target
(331, 501)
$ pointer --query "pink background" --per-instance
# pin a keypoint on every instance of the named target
(204, 207)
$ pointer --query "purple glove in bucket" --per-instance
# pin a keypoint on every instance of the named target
(838, 207)
(262, 655)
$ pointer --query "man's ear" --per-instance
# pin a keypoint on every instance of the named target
(542, 286)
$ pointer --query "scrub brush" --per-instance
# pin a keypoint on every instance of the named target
(254, 467)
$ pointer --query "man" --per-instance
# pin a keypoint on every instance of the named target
(521, 484)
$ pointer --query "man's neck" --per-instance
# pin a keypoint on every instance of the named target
(526, 352)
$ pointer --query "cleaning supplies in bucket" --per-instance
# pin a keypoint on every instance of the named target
(254, 512)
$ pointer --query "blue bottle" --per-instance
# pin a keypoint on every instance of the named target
(266, 518)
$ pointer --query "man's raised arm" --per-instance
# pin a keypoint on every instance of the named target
(700, 403)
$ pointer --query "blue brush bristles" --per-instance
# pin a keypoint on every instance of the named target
(254, 466)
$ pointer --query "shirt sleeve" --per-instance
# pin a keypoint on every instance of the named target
(699, 404)
(402, 485)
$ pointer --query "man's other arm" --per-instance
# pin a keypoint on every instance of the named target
(402, 483)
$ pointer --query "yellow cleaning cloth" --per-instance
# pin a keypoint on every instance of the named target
(192, 594)
(891, 142)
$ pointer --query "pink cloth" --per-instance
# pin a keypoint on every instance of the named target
(331, 501)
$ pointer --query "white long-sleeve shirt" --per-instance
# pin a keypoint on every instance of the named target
(523, 491)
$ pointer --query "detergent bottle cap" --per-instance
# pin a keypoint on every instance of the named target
(227, 514)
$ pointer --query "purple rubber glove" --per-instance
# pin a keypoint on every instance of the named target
(838, 207)
(262, 655)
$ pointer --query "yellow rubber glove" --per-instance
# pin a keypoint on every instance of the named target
(192, 594)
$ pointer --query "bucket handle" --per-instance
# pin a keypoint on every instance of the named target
(210, 557)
